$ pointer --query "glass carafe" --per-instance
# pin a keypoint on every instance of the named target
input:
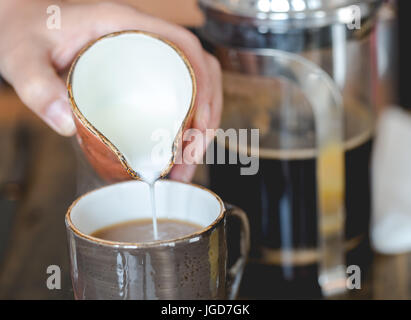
(309, 203)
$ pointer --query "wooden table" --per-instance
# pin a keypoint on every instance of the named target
(38, 237)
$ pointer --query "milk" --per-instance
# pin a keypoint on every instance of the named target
(153, 210)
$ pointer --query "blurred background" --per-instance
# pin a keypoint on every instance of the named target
(259, 45)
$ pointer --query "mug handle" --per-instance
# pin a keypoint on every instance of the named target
(235, 272)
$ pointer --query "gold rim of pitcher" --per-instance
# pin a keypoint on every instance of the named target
(101, 136)
(156, 243)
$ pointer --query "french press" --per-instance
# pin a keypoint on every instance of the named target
(301, 71)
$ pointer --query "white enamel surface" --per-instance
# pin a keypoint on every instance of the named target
(130, 200)
(136, 90)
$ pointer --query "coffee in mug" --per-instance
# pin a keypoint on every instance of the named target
(141, 230)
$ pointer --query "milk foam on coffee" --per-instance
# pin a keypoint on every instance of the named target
(141, 230)
(136, 90)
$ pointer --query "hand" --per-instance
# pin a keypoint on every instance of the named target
(32, 56)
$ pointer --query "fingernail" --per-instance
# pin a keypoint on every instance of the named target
(58, 116)
(204, 117)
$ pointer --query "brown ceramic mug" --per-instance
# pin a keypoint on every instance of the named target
(190, 267)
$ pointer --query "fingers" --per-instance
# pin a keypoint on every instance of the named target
(207, 117)
(33, 77)
(183, 172)
(209, 110)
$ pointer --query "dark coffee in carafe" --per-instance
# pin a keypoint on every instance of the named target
(281, 202)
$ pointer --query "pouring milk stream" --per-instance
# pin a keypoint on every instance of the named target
(136, 91)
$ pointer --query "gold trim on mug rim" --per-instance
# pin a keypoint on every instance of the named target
(70, 225)
(102, 137)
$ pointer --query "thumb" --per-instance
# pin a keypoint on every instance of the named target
(40, 88)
